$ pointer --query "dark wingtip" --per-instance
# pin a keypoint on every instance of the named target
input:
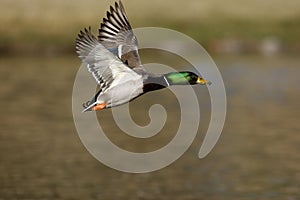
(121, 5)
(111, 9)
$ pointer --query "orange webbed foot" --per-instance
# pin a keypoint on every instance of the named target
(99, 106)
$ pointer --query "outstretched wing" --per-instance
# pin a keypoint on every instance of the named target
(106, 68)
(116, 34)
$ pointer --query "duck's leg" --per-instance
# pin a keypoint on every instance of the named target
(99, 106)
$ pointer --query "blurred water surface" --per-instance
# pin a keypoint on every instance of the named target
(257, 156)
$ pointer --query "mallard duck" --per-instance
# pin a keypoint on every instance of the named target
(114, 62)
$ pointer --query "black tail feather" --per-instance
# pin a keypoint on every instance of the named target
(93, 100)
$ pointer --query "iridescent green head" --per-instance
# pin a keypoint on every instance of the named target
(185, 78)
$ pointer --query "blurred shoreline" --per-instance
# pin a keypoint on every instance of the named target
(231, 27)
(269, 47)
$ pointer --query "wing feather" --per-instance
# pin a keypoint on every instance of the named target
(116, 34)
(105, 67)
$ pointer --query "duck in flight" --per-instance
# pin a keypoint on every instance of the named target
(114, 62)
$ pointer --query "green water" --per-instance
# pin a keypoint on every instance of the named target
(257, 156)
